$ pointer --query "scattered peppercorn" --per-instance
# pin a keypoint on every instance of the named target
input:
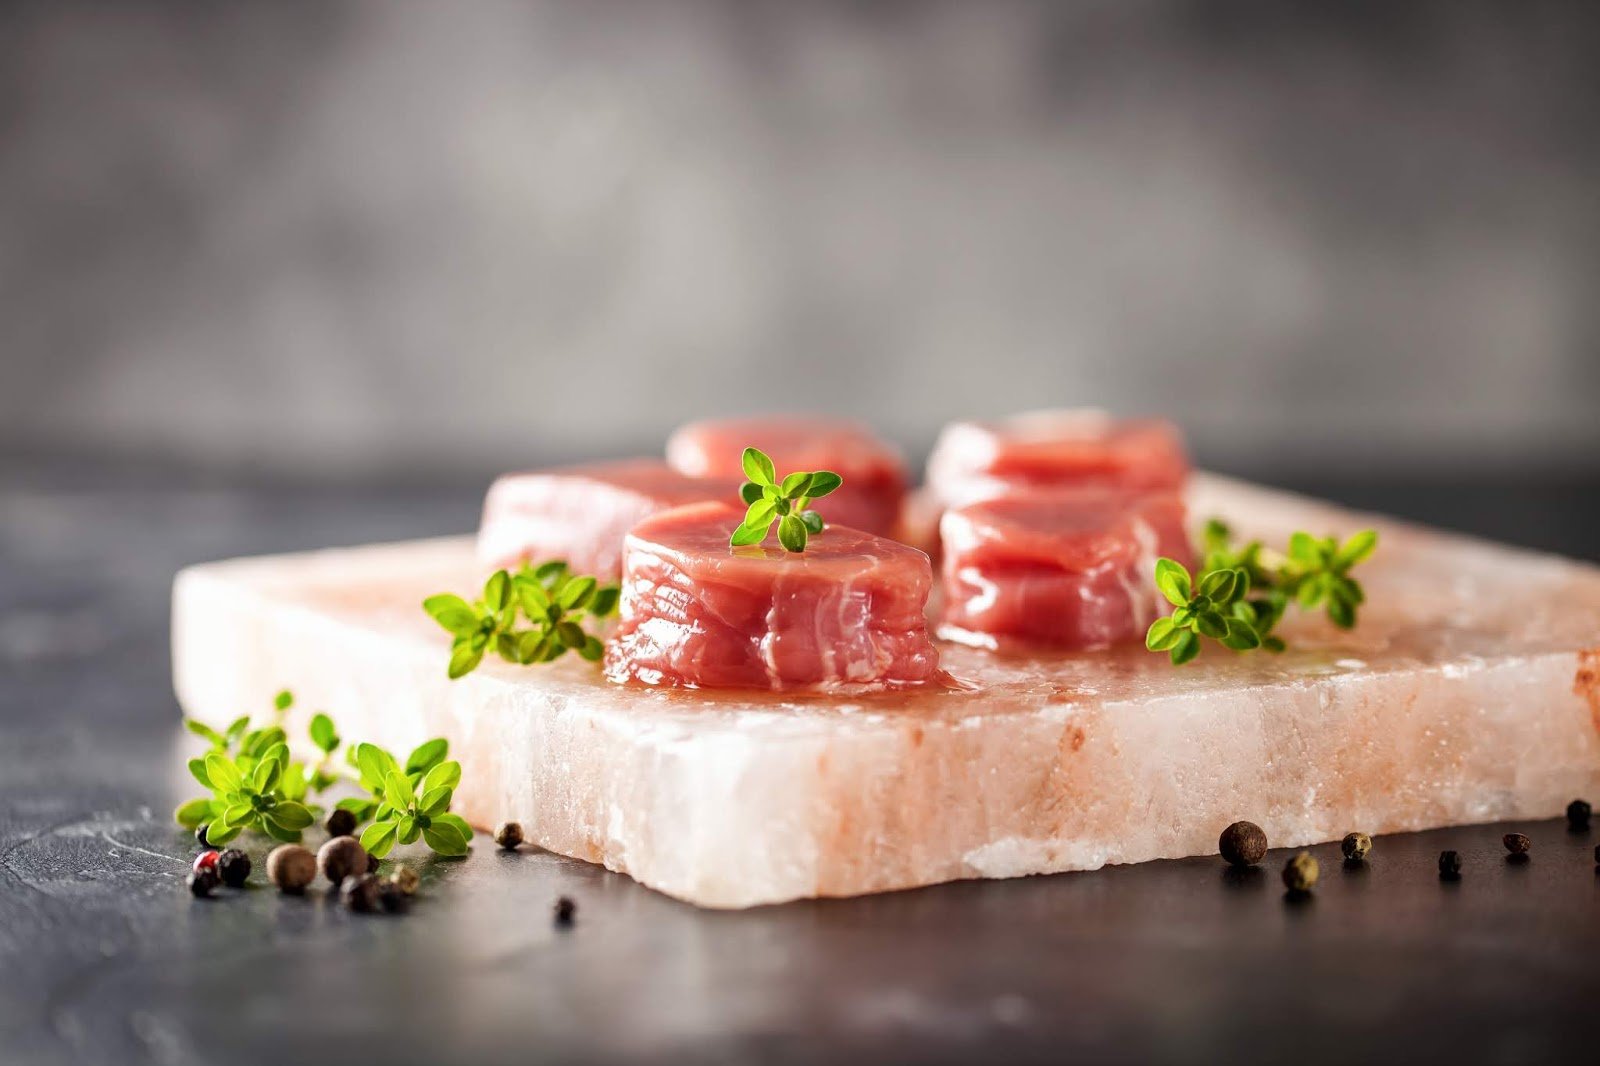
(565, 908)
(1516, 843)
(392, 896)
(509, 835)
(1449, 866)
(206, 860)
(341, 823)
(201, 882)
(1243, 844)
(1355, 847)
(1578, 812)
(340, 858)
(1300, 872)
(291, 867)
(233, 866)
(405, 879)
(360, 892)
(200, 834)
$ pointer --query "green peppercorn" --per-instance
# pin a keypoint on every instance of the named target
(1517, 844)
(565, 909)
(360, 892)
(1449, 866)
(1355, 847)
(291, 867)
(1300, 872)
(340, 858)
(341, 823)
(1243, 844)
(509, 835)
(405, 879)
(202, 882)
(233, 866)
(1578, 812)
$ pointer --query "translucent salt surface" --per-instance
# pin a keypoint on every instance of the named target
(1470, 692)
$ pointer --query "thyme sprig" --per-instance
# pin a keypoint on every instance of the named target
(785, 502)
(1241, 592)
(554, 602)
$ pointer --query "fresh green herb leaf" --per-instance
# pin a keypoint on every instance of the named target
(758, 467)
(785, 503)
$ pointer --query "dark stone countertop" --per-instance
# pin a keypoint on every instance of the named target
(104, 957)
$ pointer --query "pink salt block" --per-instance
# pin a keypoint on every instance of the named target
(1470, 692)
(1054, 449)
(845, 614)
(873, 472)
(1071, 568)
(581, 513)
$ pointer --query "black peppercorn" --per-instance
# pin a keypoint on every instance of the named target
(392, 896)
(1449, 865)
(1355, 847)
(360, 892)
(341, 823)
(1243, 844)
(509, 835)
(1300, 872)
(200, 834)
(340, 858)
(1578, 812)
(233, 866)
(1516, 843)
(291, 867)
(565, 908)
(202, 882)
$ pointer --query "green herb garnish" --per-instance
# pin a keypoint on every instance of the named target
(1239, 594)
(247, 792)
(784, 502)
(412, 801)
(554, 602)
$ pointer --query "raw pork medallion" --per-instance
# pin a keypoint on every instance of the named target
(845, 614)
(874, 475)
(1068, 567)
(1054, 449)
(581, 513)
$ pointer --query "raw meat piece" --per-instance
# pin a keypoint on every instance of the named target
(845, 613)
(1470, 692)
(980, 460)
(1071, 568)
(874, 474)
(581, 513)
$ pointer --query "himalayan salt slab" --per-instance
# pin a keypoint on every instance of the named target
(1469, 693)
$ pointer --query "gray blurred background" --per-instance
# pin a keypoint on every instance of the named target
(361, 240)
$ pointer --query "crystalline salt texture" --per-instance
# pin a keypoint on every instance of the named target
(1470, 692)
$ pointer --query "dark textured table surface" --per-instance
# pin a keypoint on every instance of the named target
(104, 957)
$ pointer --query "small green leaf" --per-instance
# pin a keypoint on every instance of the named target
(605, 601)
(197, 767)
(378, 838)
(374, 765)
(758, 467)
(1172, 578)
(323, 734)
(406, 828)
(792, 534)
(279, 832)
(1219, 585)
(533, 597)
(1341, 612)
(435, 801)
(822, 483)
(530, 646)
(572, 634)
(220, 833)
(1187, 647)
(1357, 548)
(191, 814)
(745, 536)
(427, 755)
(222, 773)
(283, 700)
(445, 775)
(576, 594)
(760, 514)
(1241, 636)
(291, 815)
(592, 650)
(239, 814)
(452, 612)
(397, 790)
(445, 838)
(237, 727)
(1211, 623)
(456, 821)
(200, 729)
(795, 485)
(497, 591)
(266, 775)
(812, 521)
(1162, 635)
(463, 660)
(750, 492)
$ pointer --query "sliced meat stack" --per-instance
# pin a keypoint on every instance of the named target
(1054, 449)
(846, 614)
(581, 513)
(1071, 568)
(874, 474)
